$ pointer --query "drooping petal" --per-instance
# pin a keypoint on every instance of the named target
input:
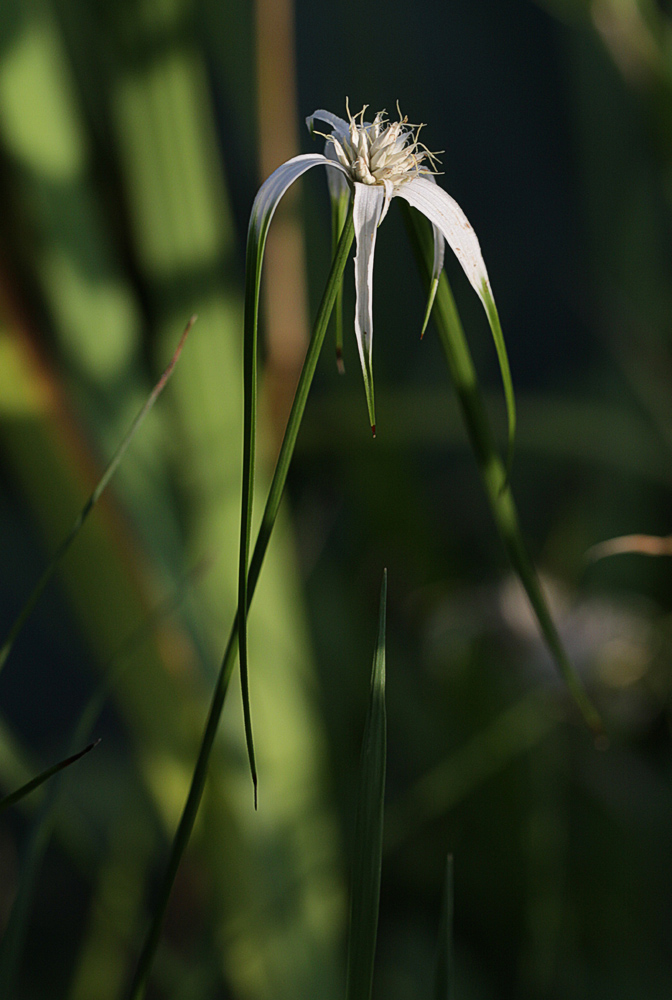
(272, 190)
(444, 213)
(265, 204)
(389, 195)
(367, 210)
(339, 127)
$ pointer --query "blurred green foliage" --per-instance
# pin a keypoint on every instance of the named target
(128, 159)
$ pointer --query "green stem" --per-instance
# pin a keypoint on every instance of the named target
(47, 574)
(190, 810)
(492, 470)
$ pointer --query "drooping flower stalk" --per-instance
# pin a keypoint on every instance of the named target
(368, 164)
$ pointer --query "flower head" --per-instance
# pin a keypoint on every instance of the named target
(370, 163)
(381, 152)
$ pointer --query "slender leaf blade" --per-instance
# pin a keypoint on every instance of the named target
(444, 977)
(52, 566)
(30, 786)
(492, 471)
(365, 892)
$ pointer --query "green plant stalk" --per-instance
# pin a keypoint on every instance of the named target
(190, 810)
(368, 845)
(492, 470)
(444, 975)
(62, 549)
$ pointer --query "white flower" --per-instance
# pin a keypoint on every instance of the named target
(374, 162)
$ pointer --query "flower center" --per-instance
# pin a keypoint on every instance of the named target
(382, 151)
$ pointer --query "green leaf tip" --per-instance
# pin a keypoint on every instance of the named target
(430, 305)
(505, 371)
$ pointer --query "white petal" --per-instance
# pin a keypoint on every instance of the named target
(389, 195)
(273, 188)
(367, 210)
(340, 127)
(444, 213)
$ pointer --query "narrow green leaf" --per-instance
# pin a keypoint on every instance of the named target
(30, 786)
(14, 936)
(492, 471)
(444, 977)
(503, 358)
(188, 817)
(368, 849)
(27, 609)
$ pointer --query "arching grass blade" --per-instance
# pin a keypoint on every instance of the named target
(492, 471)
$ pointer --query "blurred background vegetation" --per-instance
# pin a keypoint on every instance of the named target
(133, 136)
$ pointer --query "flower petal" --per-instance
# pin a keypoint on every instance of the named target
(444, 213)
(367, 210)
(272, 190)
(340, 127)
(265, 204)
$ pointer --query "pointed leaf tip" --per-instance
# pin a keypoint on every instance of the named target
(430, 303)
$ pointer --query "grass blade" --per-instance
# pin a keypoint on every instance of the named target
(444, 978)
(36, 593)
(365, 892)
(30, 786)
(490, 465)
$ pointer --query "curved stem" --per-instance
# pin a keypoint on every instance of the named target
(493, 472)
(190, 810)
